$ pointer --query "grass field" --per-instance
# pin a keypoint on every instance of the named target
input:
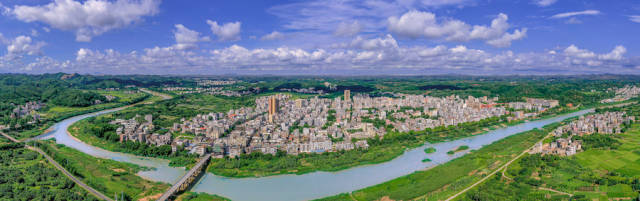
(595, 174)
(107, 176)
(444, 180)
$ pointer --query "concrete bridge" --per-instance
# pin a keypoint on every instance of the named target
(188, 179)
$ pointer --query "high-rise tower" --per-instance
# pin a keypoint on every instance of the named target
(347, 95)
(273, 107)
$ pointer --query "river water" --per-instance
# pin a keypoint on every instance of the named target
(299, 187)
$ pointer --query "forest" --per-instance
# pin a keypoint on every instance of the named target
(27, 176)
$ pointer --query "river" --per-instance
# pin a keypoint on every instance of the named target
(299, 187)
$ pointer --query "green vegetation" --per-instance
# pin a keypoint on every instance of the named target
(429, 150)
(66, 96)
(426, 160)
(107, 176)
(98, 132)
(605, 171)
(444, 180)
(192, 196)
(26, 175)
(451, 152)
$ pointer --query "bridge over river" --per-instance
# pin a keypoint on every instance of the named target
(188, 179)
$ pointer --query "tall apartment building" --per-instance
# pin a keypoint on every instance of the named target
(347, 95)
(273, 107)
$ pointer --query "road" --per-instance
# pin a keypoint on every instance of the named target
(59, 167)
(164, 96)
(184, 178)
(68, 174)
(496, 171)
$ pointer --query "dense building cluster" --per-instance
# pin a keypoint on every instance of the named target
(605, 123)
(310, 90)
(531, 107)
(216, 82)
(623, 94)
(280, 123)
(206, 90)
(132, 130)
(28, 108)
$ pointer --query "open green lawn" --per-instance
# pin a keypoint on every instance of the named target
(625, 159)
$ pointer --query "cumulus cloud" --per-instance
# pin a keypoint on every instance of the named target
(348, 29)
(615, 54)
(416, 24)
(225, 32)
(635, 18)
(363, 55)
(544, 3)
(571, 14)
(23, 45)
(187, 38)
(442, 2)
(388, 42)
(273, 36)
(89, 18)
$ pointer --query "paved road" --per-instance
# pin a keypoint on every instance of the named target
(496, 171)
(164, 96)
(184, 178)
(59, 167)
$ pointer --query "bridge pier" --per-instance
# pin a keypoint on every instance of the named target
(187, 180)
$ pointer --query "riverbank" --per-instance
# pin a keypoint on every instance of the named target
(99, 135)
(107, 176)
(27, 175)
(443, 180)
(391, 146)
(56, 114)
(605, 173)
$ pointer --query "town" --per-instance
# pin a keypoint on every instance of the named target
(605, 123)
(316, 125)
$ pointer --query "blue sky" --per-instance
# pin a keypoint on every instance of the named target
(320, 37)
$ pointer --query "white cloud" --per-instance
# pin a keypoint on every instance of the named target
(571, 14)
(635, 18)
(574, 51)
(89, 18)
(348, 29)
(187, 38)
(505, 40)
(34, 33)
(226, 32)
(273, 36)
(416, 24)
(374, 44)
(442, 2)
(615, 54)
(23, 45)
(544, 3)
